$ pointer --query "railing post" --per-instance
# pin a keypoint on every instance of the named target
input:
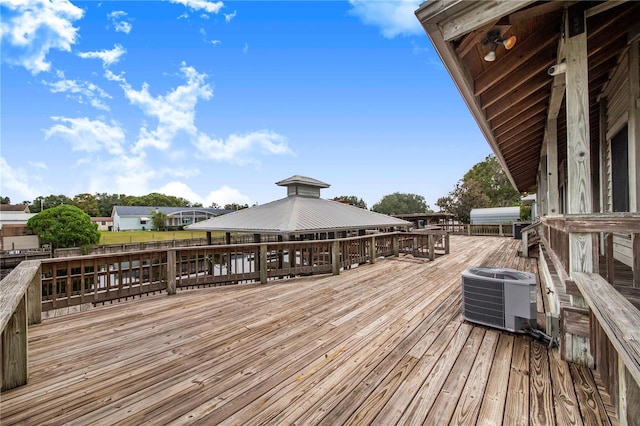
(525, 244)
(635, 249)
(171, 272)
(34, 298)
(432, 247)
(395, 242)
(372, 249)
(446, 243)
(469, 229)
(335, 257)
(500, 232)
(264, 266)
(15, 370)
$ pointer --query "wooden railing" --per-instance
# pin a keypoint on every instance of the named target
(612, 322)
(50, 284)
(487, 230)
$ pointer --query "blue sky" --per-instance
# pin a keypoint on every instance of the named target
(217, 101)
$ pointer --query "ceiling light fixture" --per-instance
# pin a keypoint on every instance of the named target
(494, 38)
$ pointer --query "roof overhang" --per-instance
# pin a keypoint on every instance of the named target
(512, 98)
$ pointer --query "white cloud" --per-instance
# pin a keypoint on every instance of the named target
(119, 24)
(215, 42)
(31, 28)
(207, 6)
(393, 17)
(180, 189)
(229, 16)
(175, 112)
(245, 49)
(108, 57)
(38, 164)
(17, 180)
(88, 135)
(226, 195)
(239, 147)
(82, 91)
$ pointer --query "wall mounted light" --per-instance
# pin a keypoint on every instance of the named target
(494, 38)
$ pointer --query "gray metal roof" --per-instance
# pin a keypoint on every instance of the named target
(303, 180)
(298, 215)
(171, 211)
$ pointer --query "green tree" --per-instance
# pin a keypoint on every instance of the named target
(87, 203)
(64, 226)
(42, 203)
(159, 220)
(5, 200)
(400, 203)
(462, 199)
(484, 185)
(156, 199)
(493, 183)
(214, 205)
(352, 200)
(107, 201)
(235, 206)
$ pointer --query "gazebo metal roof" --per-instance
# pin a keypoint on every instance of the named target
(299, 214)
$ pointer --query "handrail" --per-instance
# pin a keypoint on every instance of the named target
(19, 307)
(623, 223)
(39, 284)
(619, 319)
(14, 287)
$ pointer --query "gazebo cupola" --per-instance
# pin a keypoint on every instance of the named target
(303, 186)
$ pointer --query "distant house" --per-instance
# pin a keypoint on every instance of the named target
(495, 215)
(104, 223)
(131, 218)
(14, 234)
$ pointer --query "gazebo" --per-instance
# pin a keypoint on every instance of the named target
(301, 215)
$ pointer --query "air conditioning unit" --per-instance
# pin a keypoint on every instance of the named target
(499, 297)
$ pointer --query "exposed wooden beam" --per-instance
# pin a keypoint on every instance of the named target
(534, 114)
(517, 95)
(534, 73)
(477, 15)
(472, 39)
(534, 11)
(504, 108)
(506, 122)
(603, 7)
(521, 54)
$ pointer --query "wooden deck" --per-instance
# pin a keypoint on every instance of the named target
(381, 344)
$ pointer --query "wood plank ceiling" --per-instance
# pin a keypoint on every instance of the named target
(514, 91)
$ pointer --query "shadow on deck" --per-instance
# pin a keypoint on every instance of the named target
(380, 344)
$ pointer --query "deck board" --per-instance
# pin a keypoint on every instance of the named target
(379, 344)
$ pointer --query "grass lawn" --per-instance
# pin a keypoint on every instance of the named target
(108, 237)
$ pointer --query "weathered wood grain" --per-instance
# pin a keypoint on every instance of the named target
(379, 344)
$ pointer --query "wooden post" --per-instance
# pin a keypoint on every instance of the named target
(432, 247)
(636, 259)
(34, 298)
(15, 367)
(396, 244)
(264, 266)
(372, 249)
(609, 258)
(171, 272)
(525, 244)
(500, 232)
(335, 257)
(209, 242)
(579, 197)
(469, 229)
(227, 238)
(634, 126)
(553, 197)
(446, 243)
